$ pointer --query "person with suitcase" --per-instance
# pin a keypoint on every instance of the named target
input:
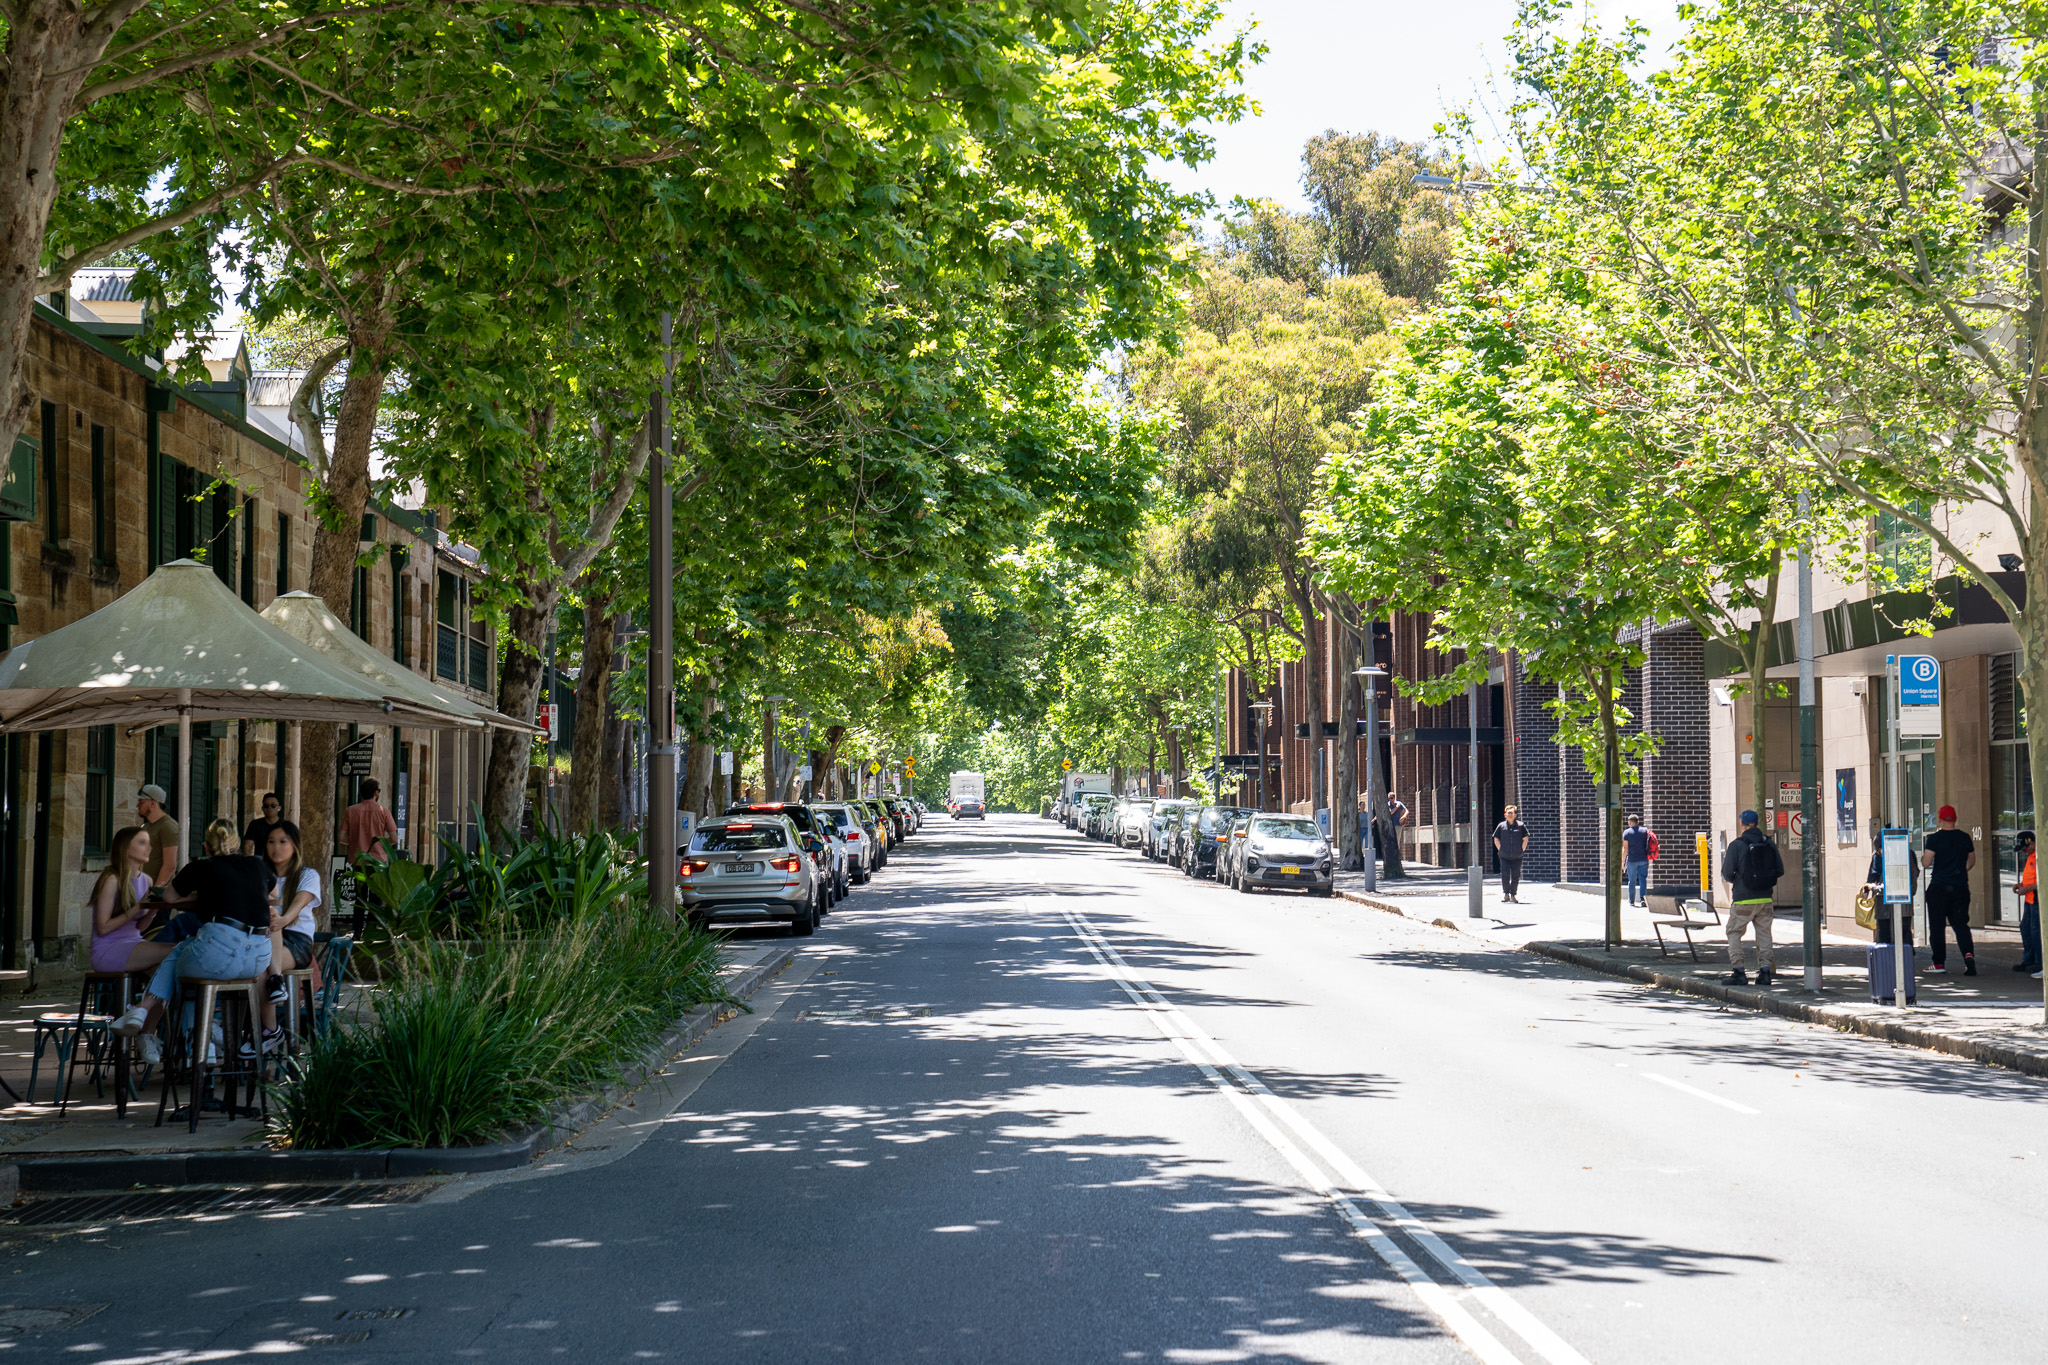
(1751, 866)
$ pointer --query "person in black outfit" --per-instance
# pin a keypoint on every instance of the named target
(1949, 856)
(257, 836)
(1510, 845)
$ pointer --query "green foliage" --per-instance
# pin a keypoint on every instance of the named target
(481, 1028)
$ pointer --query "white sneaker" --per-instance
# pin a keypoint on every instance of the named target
(150, 1050)
(130, 1023)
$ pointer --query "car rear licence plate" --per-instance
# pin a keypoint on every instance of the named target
(1291, 869)
(739, 869)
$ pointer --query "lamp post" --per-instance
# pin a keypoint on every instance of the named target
(1369, 677)
(1475, 874)
(1263, 708)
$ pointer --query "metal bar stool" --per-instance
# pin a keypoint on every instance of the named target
(187, 1056)
(72, 1034)
(317, 989)
(108, 994)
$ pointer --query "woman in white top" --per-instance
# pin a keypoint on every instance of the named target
(294, 896)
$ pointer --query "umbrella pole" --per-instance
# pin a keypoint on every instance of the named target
(184, 774)
(292, 777)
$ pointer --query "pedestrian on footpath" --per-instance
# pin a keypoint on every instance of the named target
(1511, 845)
(1397, 816)
(1635, 846)
(1949, 855)
(2030, 905)
(1751, 866)
(367, 826)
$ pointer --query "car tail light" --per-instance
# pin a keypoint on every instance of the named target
(783, 864)
(852, 834)
(691, 866)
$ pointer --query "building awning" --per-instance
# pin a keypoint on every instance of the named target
(1851, 639)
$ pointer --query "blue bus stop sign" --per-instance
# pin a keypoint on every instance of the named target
(1919, 680)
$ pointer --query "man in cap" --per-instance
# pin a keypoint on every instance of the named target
(163, 834)
(1751, 866)
(1949, 856)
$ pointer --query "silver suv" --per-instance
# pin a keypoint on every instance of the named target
(1282, 850)
(740, 869)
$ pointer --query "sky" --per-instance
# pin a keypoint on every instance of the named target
(1391, 66)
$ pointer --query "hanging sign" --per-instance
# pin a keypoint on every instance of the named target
(1919, 696)
(1898, 867)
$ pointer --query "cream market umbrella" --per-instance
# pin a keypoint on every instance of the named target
(311, 621)
(180, 646)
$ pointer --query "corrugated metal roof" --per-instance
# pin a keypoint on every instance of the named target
(273, 388)
(213, 346)
(106, 284)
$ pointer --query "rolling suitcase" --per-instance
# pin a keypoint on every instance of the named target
(1884, 986)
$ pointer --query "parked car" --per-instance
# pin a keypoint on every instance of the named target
(906, 817)
(1181, 834)
(753, 868)
(884, 830)
(862, 847)
(1101, 816)
(1212, 828)
(1230, 848)
(1094, 805)
(1131, 822)
(1283, 850)
(1157, 831)
(807, 820)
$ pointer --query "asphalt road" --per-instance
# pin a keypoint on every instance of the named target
(1026, 1098)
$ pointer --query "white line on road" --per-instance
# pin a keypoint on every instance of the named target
(1697, 1093)
(1208, 1056)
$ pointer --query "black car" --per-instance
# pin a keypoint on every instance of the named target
(1210, 828)
(967, 808)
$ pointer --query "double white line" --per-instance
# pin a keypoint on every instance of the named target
(1267, 1113)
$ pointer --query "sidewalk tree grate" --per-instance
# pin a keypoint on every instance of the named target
(210, 1203)
(374, 1314)
(884, 1012)
(329, 1338)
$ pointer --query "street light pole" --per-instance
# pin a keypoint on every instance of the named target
(1369, 677)
(661, 686)
(1475, 874)
(1809, 772)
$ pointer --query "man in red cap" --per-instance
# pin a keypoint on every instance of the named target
(1948, 856)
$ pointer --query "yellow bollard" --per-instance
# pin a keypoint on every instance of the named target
(1706, 865)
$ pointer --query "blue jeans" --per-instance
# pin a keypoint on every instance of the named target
(216, 950)
(1636, 877)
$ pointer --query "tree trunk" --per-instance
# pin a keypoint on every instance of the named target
(1344, 805)
(703, 766)
(593, 697)
(335, 534)
(49, 57)
(1312, 685)
(519, 681)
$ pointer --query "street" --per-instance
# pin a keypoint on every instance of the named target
(1029, 1098)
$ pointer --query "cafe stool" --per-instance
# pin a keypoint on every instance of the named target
(68, 1031)
(241, 1008)
(108, 994)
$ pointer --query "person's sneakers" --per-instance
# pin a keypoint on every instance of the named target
(281, 992)
(149, 1050)
(272, 1040)
(1937, 967)
(1765, 976)
(131, 1021)
(1969, 965)
(1738, 977)
(2026, 966)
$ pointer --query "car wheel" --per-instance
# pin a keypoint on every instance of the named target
(804, 924)
(1244, 885)
(1326, 891)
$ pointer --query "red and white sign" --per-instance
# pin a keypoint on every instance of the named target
(550, 719)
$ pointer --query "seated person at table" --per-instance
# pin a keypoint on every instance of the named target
(118, 913)
(295, 894)
(227, 895)
(220, 841)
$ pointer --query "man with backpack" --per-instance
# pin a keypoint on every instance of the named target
(1751, 866)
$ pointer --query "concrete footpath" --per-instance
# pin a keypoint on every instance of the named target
(1996, 1017)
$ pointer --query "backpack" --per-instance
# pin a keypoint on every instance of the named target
(1653, 844)
(1761, 865)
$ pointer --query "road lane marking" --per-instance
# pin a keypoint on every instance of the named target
(1213, 1062)
(1697, 1093)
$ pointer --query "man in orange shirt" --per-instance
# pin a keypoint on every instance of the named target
(367, 824)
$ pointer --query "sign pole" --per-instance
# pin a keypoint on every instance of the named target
(1896, 806)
